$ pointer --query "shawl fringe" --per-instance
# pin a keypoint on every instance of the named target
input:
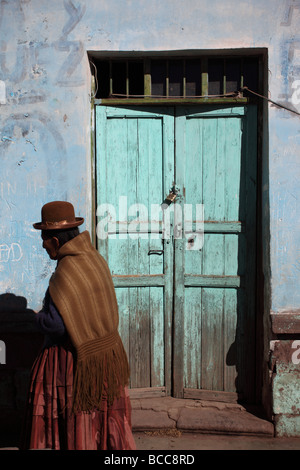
(100, 376)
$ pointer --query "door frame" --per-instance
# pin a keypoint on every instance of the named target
(170, 380)
(263, 293)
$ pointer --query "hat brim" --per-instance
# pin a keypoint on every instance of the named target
(58, 225)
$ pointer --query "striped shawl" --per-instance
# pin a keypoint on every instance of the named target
(82, 290)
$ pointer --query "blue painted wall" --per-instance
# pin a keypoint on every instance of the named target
(45, 148)
(45, 112)
(44, 141)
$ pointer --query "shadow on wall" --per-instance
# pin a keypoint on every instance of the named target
(20, 343)
(13, 303)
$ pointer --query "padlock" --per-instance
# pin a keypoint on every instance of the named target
(171, 197)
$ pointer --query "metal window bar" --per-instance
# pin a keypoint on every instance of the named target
(184, 80)
(127, 79)
(167, 79)
(111, 89)
(224, 77)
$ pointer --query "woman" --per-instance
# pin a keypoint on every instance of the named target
(78, 396)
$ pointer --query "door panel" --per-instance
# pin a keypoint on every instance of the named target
(135, 161)
(215, 285)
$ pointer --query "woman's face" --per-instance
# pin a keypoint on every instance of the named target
(51, 245)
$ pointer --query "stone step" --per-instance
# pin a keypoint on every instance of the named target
(197, 416)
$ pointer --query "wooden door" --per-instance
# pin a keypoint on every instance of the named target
(214, 313)
(187, 312)
(135, 168)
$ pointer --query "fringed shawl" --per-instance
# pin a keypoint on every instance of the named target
(82, 290)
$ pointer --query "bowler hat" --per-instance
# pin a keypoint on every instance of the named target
(58, 215)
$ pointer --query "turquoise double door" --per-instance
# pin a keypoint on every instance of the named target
(183, 268)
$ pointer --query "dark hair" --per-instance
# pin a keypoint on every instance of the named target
(63, 235)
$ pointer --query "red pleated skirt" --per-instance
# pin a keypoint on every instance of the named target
(49, 421)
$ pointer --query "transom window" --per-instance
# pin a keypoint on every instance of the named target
(160, 77)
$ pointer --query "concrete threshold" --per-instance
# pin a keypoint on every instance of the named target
(189, 415)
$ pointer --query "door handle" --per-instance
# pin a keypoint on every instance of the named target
(155, 252)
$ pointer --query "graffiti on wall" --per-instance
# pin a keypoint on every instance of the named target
(74, 49)
(32, 143)
(290, 50)
(29, 57)
(28, 64)
(10, 252)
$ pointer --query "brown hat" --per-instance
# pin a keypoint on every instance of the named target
(58, 215)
